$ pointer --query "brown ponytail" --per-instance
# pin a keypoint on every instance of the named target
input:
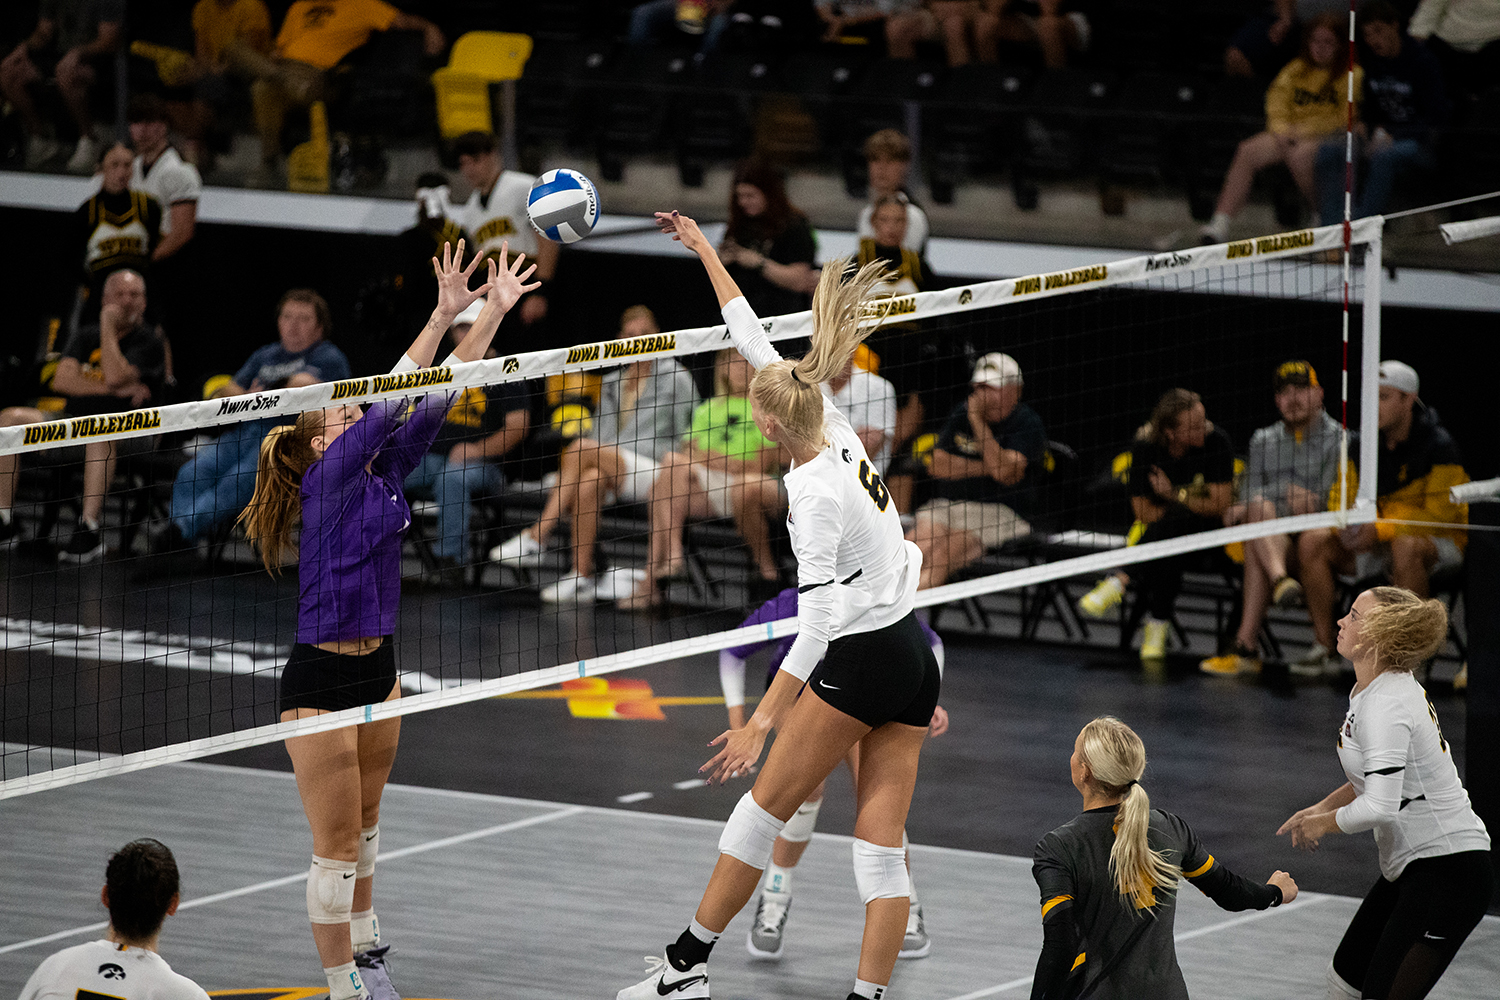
(1116, 759)
(1164, 416)
(843, 317)
(274, 510)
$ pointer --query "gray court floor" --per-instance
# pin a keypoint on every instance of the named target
(490, 896)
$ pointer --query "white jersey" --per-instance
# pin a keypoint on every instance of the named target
(108, 970)
(869, 401)
(170, 181)
(1406, 785)
(855, 572)
(916, 227)
(501, 217)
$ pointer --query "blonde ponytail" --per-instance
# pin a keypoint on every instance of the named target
(1116, 759)
(1403, 630)
(843, 316)
(274, 510)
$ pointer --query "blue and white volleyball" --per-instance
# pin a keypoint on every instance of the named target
(563, 205)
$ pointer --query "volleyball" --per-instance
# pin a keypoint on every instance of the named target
(563, 205)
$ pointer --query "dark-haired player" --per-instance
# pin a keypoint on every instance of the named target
(140, 891)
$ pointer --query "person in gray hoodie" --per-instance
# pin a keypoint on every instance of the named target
(644, 410)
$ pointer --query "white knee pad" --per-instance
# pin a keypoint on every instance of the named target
(880, 872)
(330, 891)
(1338, 989)
(799, 829)
(750, 833)
(369, 850)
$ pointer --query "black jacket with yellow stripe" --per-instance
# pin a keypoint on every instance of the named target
(1413, 481)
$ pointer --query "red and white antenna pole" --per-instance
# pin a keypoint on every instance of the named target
(1348, 262)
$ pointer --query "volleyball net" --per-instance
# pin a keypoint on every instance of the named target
(150, 653)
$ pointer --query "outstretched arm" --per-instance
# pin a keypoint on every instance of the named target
(454, 297)
(744, 326)
(506, 288)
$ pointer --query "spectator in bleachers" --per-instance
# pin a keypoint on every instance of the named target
(120, 364)
(985, 467)
(725, 469)
(222, 30)
(1464, 35)
(1306, 103)
(160, 172)
(888, 154)
(1405, 103)
(315, 37)
(904, 23)
(769, 248)
(969, 29)
(1181, 482)
(140, 892)
(495, 214)
(662, 22)
(219, 480)
(1056, 27)
(1268, 41)
(1419, 464)
(74, 42)
(1293, 464)
(645, 410)
(483, 426)
(118, 228)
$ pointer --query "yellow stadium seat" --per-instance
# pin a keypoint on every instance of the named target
(307, 163)
(478, 59)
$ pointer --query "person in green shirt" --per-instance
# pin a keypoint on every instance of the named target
(724, 469)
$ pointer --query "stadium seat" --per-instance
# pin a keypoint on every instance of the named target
(1234, 110)
(1061, 135)
(889, 95)
(635, 103)
(555, 97)
(462, 87)
(973, 125)
(713, 116)
(1144, 139)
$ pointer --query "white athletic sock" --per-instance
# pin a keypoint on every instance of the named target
(88, 525)
(870, 991)
(1218, 226)
(4, 515)
(778, 879)
(364, 931)
(702, 933)
(344, 982)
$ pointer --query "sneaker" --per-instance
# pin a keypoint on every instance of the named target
(85, 546)
(571, 589)
(1107, 593)
(85, 156)
(664, 981)
(917, 943)
(1153, 640)
(171, 541)
(39, 150)
(1238, 660)
(522, 550)
(1287, 593)
(376, 973)
(765, 939)
(1316, 662)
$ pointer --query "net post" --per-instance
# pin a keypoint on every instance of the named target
(1347, 267)
(1369, 373)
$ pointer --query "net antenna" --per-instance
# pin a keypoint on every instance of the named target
(1217, 285)
(1347, 262)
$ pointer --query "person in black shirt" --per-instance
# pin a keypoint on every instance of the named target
(121, 364)
(768, 245)
(1405, 103)
(1109, 880)
(1181, 481)
(984, 467)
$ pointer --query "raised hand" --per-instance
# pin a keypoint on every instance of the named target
(454, 295)
(508, 285)
(684, 230)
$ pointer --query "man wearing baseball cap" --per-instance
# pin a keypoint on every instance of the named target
(984, 465)
(1293, 464)
(1420, 531)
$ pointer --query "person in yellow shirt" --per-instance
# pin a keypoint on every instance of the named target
(1305, 103)
(1420, 531)
(314, 38)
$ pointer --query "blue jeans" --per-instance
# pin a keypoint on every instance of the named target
(217, 483)
(1382, 168)
(655, 22)
(453, 487)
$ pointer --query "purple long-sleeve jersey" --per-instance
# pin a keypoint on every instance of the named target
(784, 605)
(354, 515)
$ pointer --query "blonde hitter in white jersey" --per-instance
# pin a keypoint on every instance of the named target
(858, 578)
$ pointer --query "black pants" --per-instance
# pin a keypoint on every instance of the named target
(1407, 931)
(1160, 580)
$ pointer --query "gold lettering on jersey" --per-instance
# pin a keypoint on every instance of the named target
(577, 355)
(1285, 241)
(136, 420)
(1244, 248)
(640, 345)
(119, 246)
(350, 387)
(413, 380)
(1025, 286)
(1078, 276)
(495, 229)
(45, 433)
